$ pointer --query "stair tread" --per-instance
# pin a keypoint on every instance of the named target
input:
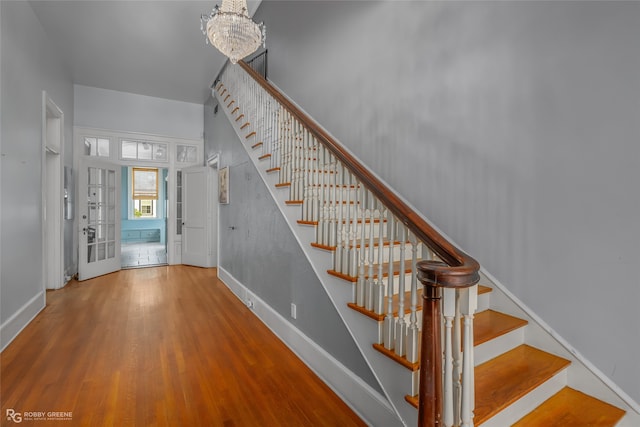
(483, 289)
(501, 381)
(572, 408)
(489, 324)
(395, 302)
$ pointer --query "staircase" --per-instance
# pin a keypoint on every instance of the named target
(376, 257)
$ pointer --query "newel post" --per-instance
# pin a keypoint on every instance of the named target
(434, 275)
(430, 394)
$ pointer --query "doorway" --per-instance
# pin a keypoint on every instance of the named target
(145, 209)
(52, 194)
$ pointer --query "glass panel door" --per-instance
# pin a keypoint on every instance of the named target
(99, 233)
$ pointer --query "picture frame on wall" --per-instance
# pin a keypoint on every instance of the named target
(223, 186)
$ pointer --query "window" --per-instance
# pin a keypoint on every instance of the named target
(144, 208)
(96, 147)
(186, 154)
(142, 150)
(144, 192)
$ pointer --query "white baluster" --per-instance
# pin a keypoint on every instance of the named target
(353, 256)
(389, 320)
(301, 158)
(457, 360)
(401, 325)
(361, 283)
(449, 313)
(369, 290)
(468, 306)
(285, 146)
(380, 288)
(318, 191)
(324, 181)
(413, 332)
(347, 229)
(315, 179)
(351, 253)
(290, 143)
(293, 180)
(340, 231)
(306, 198)
(333, 220)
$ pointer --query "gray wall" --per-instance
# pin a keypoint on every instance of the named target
(130, 112)
(518, 122)
(262, 253)
(29, 66)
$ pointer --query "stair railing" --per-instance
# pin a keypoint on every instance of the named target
(372, 234)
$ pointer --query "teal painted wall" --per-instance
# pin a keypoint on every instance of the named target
(143, 224)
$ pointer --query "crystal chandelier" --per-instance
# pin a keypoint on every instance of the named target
(230, 29)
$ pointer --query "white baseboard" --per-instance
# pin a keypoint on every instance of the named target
(370, 405)
(20, 319)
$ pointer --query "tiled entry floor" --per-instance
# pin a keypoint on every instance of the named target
(142, 254)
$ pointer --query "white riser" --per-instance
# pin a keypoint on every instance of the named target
(344, 229)
(484, 302)
(327, 193)
(497, 346)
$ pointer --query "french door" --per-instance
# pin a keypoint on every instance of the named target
(99, 218)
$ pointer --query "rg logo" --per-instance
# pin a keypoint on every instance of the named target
(14, 416)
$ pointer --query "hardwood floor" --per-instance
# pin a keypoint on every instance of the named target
(163, 346)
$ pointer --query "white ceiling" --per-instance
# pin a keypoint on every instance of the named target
(152, 48)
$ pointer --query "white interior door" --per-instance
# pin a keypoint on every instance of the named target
(198, 217)
(99, 218)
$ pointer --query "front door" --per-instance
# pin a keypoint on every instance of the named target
(99, 218)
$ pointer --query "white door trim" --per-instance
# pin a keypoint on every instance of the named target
(214, 162)
(53, 221)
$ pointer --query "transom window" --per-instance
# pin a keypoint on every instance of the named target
(143, 150)
(186, 154)
(96, 147)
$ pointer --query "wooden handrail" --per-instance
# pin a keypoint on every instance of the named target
(463, 264)
(458, 270)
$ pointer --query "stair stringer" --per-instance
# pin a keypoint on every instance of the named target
(394, 380)
(581, 374)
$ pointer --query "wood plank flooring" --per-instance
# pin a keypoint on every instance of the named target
(163, 346)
